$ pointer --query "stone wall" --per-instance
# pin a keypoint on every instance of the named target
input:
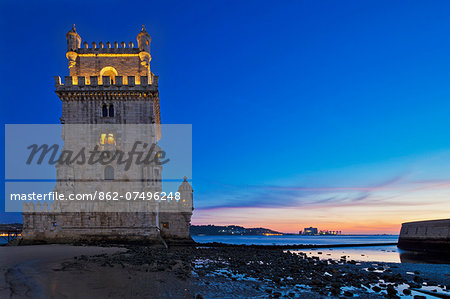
(68, 227)
(433, 235)
(175, 225)
(74, 227)
(132, 112)
(125, 66)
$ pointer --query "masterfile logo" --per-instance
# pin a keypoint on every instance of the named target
(101, 166)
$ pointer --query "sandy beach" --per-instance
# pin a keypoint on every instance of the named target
(43, 271)
(65, 271)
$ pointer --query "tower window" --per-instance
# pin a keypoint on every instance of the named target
(107, 139)
(111, 110)
(105, 111)
(109, 173)
(108, 72)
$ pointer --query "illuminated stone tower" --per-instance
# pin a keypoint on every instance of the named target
(112, 89)
(109, 83)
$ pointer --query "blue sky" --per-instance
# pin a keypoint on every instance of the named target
(294, 104)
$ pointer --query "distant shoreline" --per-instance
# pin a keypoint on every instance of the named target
(294, 246)
(288, 234)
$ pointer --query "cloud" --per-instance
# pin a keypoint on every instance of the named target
(280, 197)
(272, 196)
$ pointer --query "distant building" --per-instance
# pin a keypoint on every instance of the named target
(310, 231)
(313, 231)
(329, 232)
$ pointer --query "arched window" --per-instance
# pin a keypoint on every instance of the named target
(109, 173)
(111, 110)
(105, 111)
(109, 72)
(107, 138)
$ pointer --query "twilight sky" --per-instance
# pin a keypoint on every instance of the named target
(305, 113)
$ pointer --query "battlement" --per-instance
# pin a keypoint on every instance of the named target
(99, 82)
(96, 58)
(107, 48)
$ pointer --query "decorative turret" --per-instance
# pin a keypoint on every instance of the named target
(186, 194)
(73, 39)
(73, 43)
(144, 40)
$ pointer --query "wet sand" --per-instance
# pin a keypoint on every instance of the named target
(27, 271)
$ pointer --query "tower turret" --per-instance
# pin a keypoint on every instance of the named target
(73, 43)
(144, 40)
(73, 39)
(186, 194)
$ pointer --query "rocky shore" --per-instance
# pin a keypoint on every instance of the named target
(217, 272)
(250, 272)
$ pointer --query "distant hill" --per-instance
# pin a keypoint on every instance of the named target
(215, 230)
(12, 226)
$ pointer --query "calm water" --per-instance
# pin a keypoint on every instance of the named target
(387, 254)
(298, 239)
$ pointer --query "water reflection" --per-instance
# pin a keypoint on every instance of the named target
(423, 258)
(386, 254)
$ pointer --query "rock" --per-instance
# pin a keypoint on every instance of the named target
(276, 294)
(376, 289)
(348, 294)
(407, 292)
(391, 291)
(335, 291)
(418, 279)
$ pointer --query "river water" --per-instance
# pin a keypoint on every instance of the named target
(388, 254)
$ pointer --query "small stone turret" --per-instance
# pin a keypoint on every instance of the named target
(144, 40)
(73, 40)
(186, 194)
(73, 44)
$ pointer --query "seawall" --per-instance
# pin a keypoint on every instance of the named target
(429, 236)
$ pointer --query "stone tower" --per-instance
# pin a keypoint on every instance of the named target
(111, 93)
